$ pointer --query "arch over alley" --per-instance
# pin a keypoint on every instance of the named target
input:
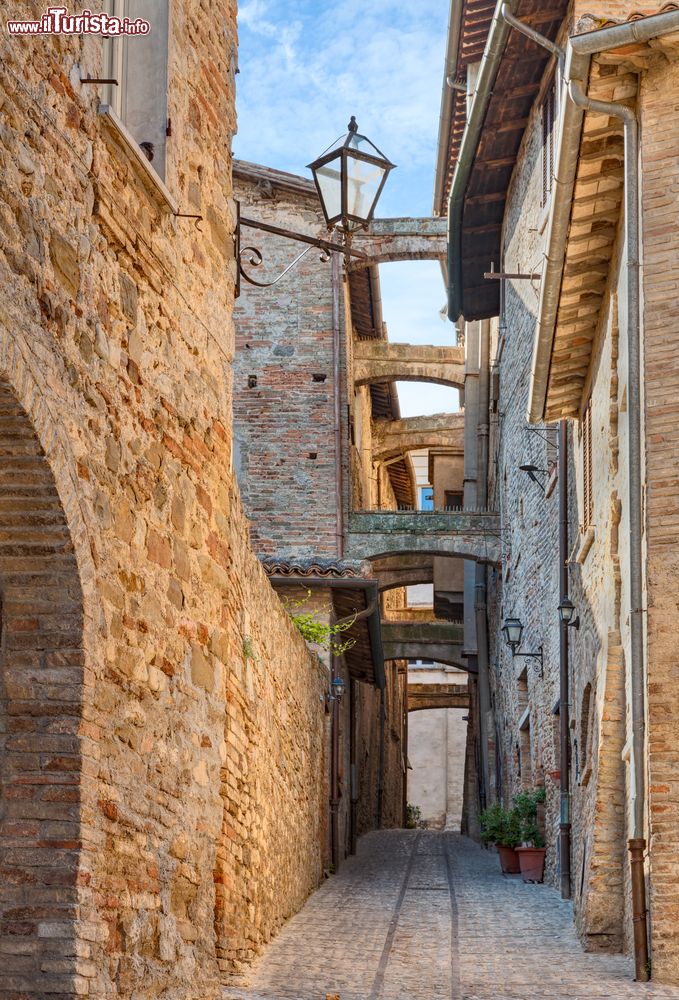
(431, 696)
(403, 571)
(434, 640)
(463, 534)
(440, 430)
(401, 239)
(382, 361)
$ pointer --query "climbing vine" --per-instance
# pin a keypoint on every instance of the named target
(319, 633)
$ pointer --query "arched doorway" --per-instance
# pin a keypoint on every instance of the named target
(41, 685)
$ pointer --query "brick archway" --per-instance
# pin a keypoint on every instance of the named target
(41, 690)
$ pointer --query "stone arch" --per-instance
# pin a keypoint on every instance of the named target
(409, 372)
(427, 545)
(440, 430)
(438, 655)
(465, 535)
(384, 361)
(42, 689)
(405, 572)
(394, 579)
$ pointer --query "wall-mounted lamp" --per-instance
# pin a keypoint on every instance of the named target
(513, 633)
(337, 689)
(349, 178)
(567, 613)
(533, 472)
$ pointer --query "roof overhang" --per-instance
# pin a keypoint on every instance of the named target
(585, 209)
(508, 82)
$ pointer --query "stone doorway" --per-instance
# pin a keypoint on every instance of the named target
(41, 685)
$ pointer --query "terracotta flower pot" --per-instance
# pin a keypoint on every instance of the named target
(509, 860)
(532, 862)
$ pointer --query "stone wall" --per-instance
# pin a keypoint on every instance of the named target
(174, 710)
(600, 734)
(525, 585)
(528, 586)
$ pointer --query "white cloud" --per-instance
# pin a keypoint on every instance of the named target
(306, 66)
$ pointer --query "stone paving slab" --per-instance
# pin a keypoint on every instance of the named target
(428, 916)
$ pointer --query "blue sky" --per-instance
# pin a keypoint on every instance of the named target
(305, 67)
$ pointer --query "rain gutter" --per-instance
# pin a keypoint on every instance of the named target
(336, 282)
(490, 64)
(449, 73)
(580, 49)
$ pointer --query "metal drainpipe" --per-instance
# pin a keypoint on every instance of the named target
(637, 843)
(337, 401)
(480, 602)
(404, 751)
(525, 29)
(334, 784)
(380, 773)
(564, 700)
(353, 766)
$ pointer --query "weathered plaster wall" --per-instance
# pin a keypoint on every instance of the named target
(194, 766)
(436, 752)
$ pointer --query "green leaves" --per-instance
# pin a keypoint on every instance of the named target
(318, 632)
(511, 827)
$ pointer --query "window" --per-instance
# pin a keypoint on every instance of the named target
(426, 498)
(586, 733)
(549, 115)
(586, 436)
(139, 64)
(453, 499)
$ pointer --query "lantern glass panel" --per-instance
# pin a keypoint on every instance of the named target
(513, 630)
(329, 180)
(566, 611)
(364, 180)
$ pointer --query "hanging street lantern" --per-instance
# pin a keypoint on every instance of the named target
(567, 613)
(349, 179)
(337, 688)
(513, 631)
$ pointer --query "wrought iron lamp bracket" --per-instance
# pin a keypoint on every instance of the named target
(533, 656)
(252, 256)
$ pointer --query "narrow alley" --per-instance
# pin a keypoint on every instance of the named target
(424, 915)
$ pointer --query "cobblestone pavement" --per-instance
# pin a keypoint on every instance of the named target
(428, 916)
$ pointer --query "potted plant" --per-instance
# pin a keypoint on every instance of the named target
(501, 827)
(532, 852)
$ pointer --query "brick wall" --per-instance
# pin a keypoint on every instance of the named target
(181, 775)
(660, 201)
(284, 425)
